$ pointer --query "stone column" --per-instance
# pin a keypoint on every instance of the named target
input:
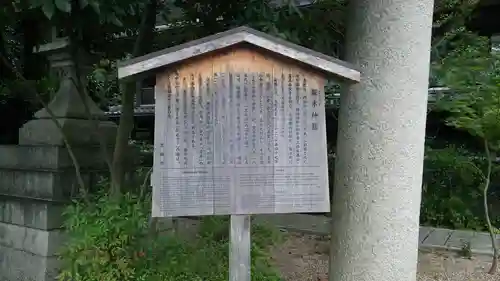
(380, 145)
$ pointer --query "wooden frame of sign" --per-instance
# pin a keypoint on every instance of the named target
(239, 130)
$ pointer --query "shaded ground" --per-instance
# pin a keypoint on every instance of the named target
(305, 258)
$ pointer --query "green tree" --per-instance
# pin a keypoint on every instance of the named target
(473, 74)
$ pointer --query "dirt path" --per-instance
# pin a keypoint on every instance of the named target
(305, 258)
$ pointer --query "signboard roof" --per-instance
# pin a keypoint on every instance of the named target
(163, 58)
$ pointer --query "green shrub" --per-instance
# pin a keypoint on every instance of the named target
(105, 239)
(109, 242)
(452, 189)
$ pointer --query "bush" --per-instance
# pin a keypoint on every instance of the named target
(452, 189)
(105, 239)
(109, 242)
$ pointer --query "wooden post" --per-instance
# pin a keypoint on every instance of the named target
(239, 248)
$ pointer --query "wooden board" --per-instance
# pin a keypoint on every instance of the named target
(239, 133)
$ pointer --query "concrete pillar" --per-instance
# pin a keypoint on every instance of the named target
(380, 145)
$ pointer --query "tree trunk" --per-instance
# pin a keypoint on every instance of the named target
(494, 263)
(142, 45)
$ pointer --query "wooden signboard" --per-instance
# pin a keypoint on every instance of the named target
(239, 132)
(239, 129)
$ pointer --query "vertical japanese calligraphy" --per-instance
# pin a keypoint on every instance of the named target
(185, 132)
(297, 123)
(315, 97)
(209, 122)
(305, 112)
(201, 125)
(276, 113)
(249, 86)
(269, 102)
(290, 111)
(177, 119)
(238, 118)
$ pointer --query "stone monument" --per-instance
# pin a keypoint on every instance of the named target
(37, 177)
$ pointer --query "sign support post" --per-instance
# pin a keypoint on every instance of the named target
(239, 248)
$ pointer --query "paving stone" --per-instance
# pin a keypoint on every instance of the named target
(460, 238)
(482, 243)
(423, 233)
(438, 237)
(428, 236)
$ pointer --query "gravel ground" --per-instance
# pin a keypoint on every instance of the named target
(305, 258)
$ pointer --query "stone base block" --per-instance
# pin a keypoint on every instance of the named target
(31, 213)
(51, 157)
(77, 131)
(28, 254)
(34, 241)
(43, 185)
(17, 265)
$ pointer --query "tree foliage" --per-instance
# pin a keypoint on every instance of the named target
(473, 74)
(451, 189)
(109, 28)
